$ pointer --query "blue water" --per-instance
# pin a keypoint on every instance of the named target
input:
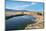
(20, 22)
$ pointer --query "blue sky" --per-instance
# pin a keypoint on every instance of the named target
(21, 5)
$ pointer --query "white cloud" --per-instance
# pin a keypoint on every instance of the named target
(33, 3)
(18, 9)
(25, 5)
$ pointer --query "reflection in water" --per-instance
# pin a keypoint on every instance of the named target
(20, 22)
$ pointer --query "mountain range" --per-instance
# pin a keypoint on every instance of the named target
(17, 10)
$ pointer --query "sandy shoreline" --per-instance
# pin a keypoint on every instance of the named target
(38, 25)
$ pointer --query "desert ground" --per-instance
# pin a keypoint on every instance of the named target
(38, 25)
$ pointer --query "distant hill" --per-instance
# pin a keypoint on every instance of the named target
(17, 10)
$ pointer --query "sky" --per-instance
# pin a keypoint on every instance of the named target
(21, 5)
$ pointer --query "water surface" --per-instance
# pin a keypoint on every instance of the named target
(20, 22)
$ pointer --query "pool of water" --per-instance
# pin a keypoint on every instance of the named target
(20, 22)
